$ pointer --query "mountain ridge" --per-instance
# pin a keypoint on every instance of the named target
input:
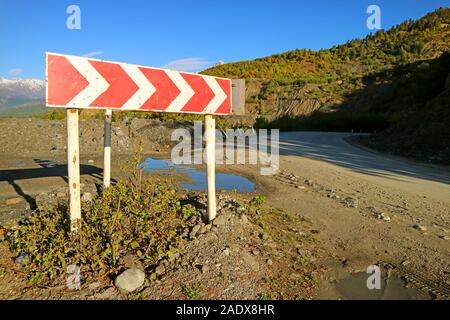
(32, 89)
(21, 97)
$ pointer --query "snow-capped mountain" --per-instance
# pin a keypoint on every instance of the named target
(21, 97)
(30, 89)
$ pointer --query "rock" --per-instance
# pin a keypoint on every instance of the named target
(61, 194)
(309, 182)
(240, 210)
(269, 262)
(300, 187)
(351, 202)
(263, 236)
(255, 252)
(91, 161)
(214, 229)
(384, 217)
(22, 259)
(87, 197)
(226, 252)
(203, 229)
(130, 279)
(444, 237)
(204, 268)
(13, 201)
(405, 263)
(160, 269)
(419, 227)
(244, 218)
(194, 231)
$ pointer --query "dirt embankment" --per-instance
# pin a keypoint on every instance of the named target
(36, 137)
(33, 156)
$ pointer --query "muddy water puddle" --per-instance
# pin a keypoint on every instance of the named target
(354, 287)
(197, 177)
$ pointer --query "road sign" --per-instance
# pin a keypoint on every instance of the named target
(80, 83)
(83, 83)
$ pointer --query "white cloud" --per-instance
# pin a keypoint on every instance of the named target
(188, 64)
(93, 54)
(15, 72)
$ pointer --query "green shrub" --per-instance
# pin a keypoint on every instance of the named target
(57, 114)
(142, 219)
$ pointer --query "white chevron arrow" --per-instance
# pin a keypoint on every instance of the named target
(186, 91)
(97, 84)
(146, 89)
(219, 95)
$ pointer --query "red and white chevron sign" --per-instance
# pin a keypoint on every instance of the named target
(79, 82)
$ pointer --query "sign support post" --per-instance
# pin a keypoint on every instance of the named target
(73, 164)
(210, 137)
(107, 150)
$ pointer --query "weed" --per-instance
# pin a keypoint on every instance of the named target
(255, 206)
(264, 296)
(301, 261)
(191, 291)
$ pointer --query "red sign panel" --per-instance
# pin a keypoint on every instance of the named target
(79, 82)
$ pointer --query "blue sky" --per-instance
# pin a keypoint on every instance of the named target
(189, 35)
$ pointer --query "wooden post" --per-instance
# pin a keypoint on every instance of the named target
(210, 137)
(107, 150)
(73, 167)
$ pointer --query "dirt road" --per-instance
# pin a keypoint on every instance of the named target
(368, 207)
(386, 170)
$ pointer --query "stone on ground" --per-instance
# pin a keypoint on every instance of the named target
(130, 279)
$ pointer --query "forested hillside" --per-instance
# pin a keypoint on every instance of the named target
(384, 82)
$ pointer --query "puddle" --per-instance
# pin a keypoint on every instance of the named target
(224, 181)
(392, 288)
